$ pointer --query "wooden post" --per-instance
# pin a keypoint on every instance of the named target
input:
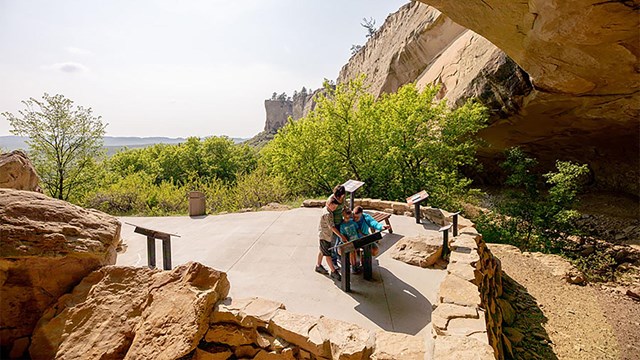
(417, 212)
(367, 262)
(352, 200)
(151, 252)
(346, 271)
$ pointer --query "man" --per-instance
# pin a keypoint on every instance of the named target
(366, 222)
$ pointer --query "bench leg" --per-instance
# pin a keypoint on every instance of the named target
(389, 223)
(346, 272)
(151, 252)
(367, 263)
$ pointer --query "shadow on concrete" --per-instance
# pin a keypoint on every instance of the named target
(198, 217)
(428, 225)
(408, 309)
(529, 322)
(388, 241)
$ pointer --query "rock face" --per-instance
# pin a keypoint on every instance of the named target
(131, 313)
(17, 172)
(46, 247)
(278, 111)
(563, 81)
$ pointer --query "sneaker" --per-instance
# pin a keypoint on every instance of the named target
(320, 269)
(336, 275)
(355, 269)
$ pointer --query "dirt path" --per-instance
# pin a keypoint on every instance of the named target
(582, 322)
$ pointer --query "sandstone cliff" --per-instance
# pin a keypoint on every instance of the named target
(563, 84)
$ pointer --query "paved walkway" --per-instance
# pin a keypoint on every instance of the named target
(272, 255)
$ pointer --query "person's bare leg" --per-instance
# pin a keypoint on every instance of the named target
(330, 263)
(319, 263)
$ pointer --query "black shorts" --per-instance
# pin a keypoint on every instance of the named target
(325, 247)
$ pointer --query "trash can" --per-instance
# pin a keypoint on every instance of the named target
(196, 203)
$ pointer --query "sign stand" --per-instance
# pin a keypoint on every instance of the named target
(415, 200)
(351, 186)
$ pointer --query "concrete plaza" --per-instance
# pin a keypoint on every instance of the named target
(272, 254)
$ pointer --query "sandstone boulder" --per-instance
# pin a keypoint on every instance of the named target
(17, 172)
(131, 313)
(423, 251)
(46, 247)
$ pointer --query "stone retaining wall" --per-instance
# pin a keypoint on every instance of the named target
(467, 320)
(256, 328)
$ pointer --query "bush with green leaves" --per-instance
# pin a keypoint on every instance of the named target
(397, 144)
(528, 216)
(536, 214)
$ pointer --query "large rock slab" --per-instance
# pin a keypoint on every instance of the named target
(131, 313)
(423, 251)
(17, 172)
(46, 247)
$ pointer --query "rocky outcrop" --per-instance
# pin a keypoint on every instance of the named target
(571, 47)
(563, 81)
(46, 247)
(402, 48)
(278, 112)
(17, 172)
(131, 313)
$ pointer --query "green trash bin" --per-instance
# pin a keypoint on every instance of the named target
(196, 203)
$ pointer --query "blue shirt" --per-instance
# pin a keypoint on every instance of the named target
(350, 230)
(367, 221)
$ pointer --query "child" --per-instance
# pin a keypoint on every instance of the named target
(365, 222)
(326, 231)
(350, 229)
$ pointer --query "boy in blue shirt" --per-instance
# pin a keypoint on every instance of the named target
(351, 231)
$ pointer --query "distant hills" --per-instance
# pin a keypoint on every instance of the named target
(111, 143)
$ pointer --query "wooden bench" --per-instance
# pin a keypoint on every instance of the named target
(380, 217)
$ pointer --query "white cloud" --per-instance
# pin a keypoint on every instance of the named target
(77, 51)
(68, 67)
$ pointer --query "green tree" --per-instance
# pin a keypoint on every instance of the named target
(64, 142)
(397, 144)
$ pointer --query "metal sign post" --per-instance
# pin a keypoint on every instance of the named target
(415, 200)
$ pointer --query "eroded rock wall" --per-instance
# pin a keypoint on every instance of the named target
(563, 81)
(278, 111)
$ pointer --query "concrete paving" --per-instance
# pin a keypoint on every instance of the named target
(273, 254)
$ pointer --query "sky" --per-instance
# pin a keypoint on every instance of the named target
(175, 68)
